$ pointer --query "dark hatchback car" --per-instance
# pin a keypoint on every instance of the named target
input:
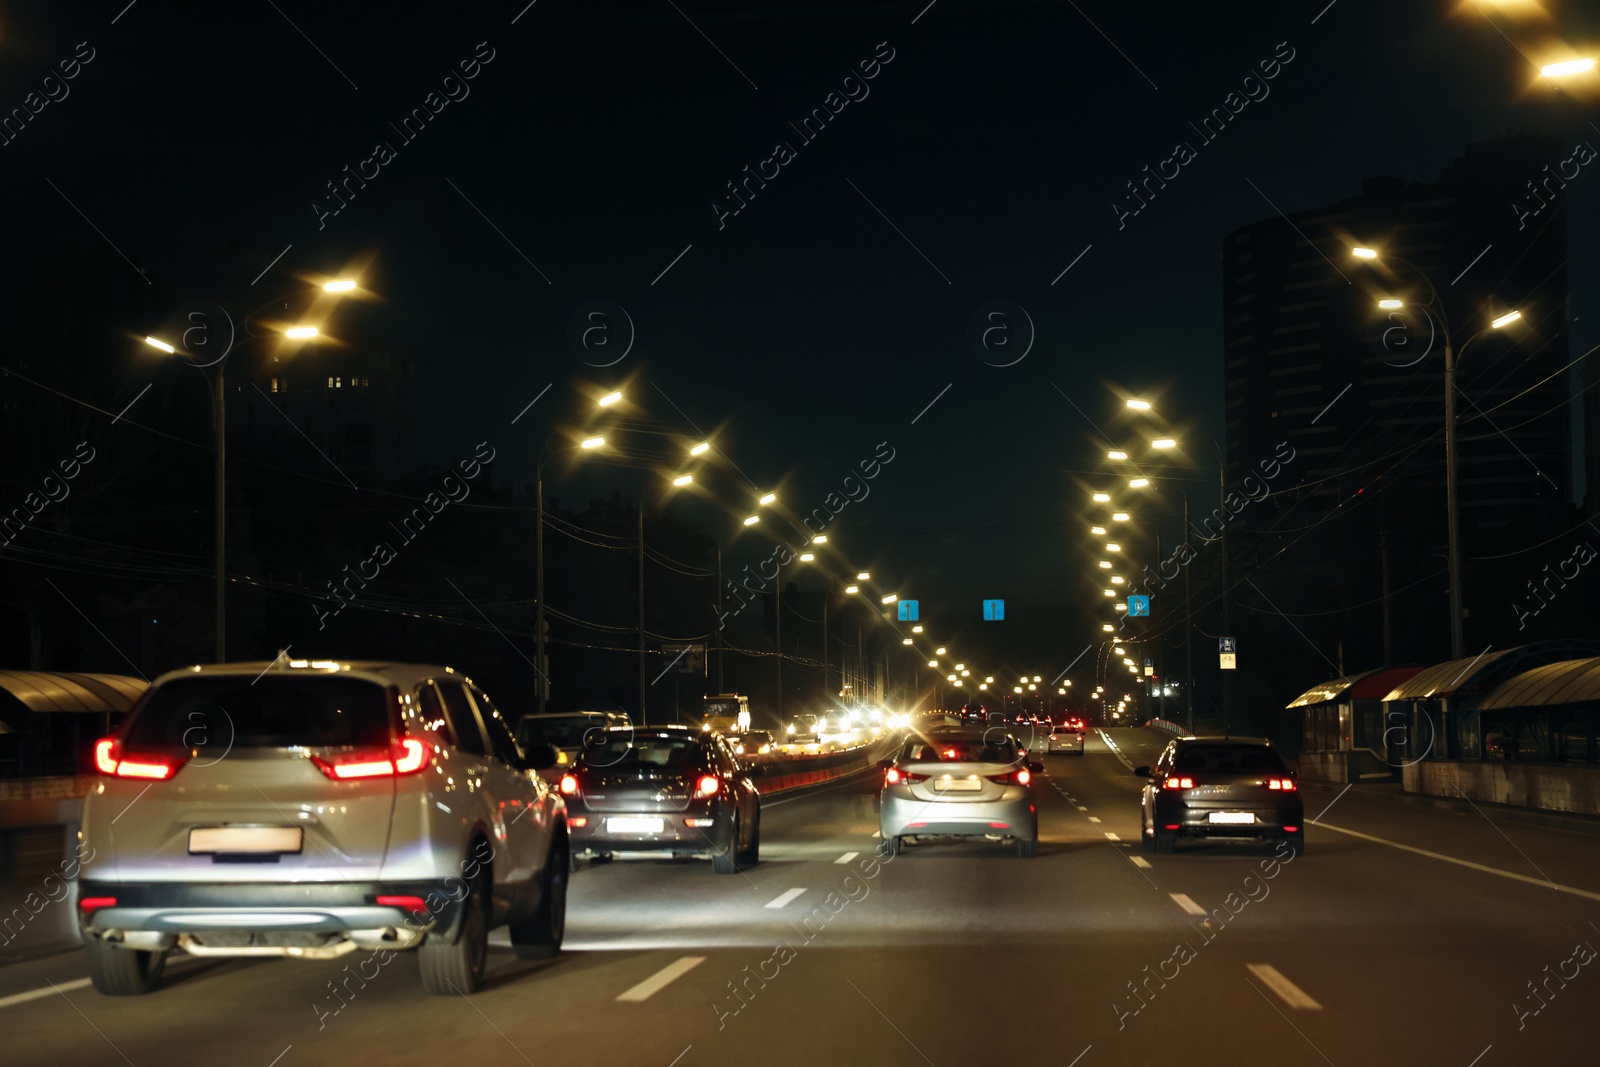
(664, 789)
(1220, 787)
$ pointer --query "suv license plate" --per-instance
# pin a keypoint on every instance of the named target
(248, 839)
(1243, 817)
(635, 826)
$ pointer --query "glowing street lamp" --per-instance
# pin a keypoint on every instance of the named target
(700, 449)
(592, 442)
(1569, 67)
(1138, 405)
(609, 399)
(153, 343)
(1391, 304)
(300, 333)
(1506, 320)
(340, 285)
(1102, 498)
(1138, 483)
(752, 520)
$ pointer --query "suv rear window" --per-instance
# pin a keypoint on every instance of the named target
(1228, 759)
(564, 732)
(959, 750)
(310, 711)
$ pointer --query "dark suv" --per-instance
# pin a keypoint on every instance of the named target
(1220, 787)
(664, 789)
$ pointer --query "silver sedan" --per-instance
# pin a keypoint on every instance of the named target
(962, 783)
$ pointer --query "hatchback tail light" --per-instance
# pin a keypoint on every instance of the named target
(1285, 785)
(405, 756)
(110, 760)
(569, 785)
(707, 785)
(1177, 783)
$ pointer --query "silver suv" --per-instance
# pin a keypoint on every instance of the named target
(310, 809)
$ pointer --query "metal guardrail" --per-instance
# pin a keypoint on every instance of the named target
(1170, 727)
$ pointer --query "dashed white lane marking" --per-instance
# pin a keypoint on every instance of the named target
(1290, 993)
(662, 978)
(1093, 819)
(37, 994)
(1112, 836)
(1184, 901)
(847, 857)
(877, 833)
(784, 898)
(1139, 861)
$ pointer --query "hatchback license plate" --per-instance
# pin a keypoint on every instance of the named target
(247, 839)
(1244, 817)
(956, 784)
(635, 826)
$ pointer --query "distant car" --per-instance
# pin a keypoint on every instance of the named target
(308, 809)
(962, 782)
(974, 713)
(664, 789)
(1066, 737)
(566, 730)
(752, 743)
(805, 728)
(1220, 787)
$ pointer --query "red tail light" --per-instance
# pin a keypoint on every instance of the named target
(892, 776)
(1177, 783)
(109, 760)
(407, 903)
(405, 756)
(1285, 785)
(707, 785)
(569, 785)
(896, 776)
(1020, 776)
(90, 905)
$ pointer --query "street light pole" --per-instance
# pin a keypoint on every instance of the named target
(539, 672)
(1457, 644)
(1188, 633)
(220, 531)
(644, 716)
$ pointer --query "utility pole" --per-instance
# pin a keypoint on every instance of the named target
(720, 622)
(540, 679)
(644, 716)
(1188, 631)
(1383, 555)
(777, 637)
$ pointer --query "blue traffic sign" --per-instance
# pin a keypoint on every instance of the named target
(1138, 605)
(1227, 646)
(994, 610)
(908, 611)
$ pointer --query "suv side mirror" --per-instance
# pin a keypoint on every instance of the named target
(1141, 772)
(540, 757)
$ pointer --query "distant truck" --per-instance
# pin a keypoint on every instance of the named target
(725, 713)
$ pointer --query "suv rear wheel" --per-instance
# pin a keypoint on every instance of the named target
(456, 967)
(123, 972)
(540, 937)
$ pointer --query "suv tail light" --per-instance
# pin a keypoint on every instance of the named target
(1284, 784)
(569, 785)
(1177, 783)
(707, 785)
(110, 760)
(405, 756)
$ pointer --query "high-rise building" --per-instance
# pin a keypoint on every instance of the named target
(351, 405)
(1357, 390)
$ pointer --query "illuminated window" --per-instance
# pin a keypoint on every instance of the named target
(330, 383)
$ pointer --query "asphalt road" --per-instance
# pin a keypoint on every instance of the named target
(1404, 935)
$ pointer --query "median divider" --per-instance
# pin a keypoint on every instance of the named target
(785, 773)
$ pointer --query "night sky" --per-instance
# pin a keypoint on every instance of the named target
(588, 154)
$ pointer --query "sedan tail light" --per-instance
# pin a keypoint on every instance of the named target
(1285, 785)
(569, 785)
(1177, 783)
(707, 785)
(110, 760)
(896, 776)
(1020, 776)
(405, 756)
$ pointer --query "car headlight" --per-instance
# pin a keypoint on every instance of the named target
(705, 726)
(791, 728)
